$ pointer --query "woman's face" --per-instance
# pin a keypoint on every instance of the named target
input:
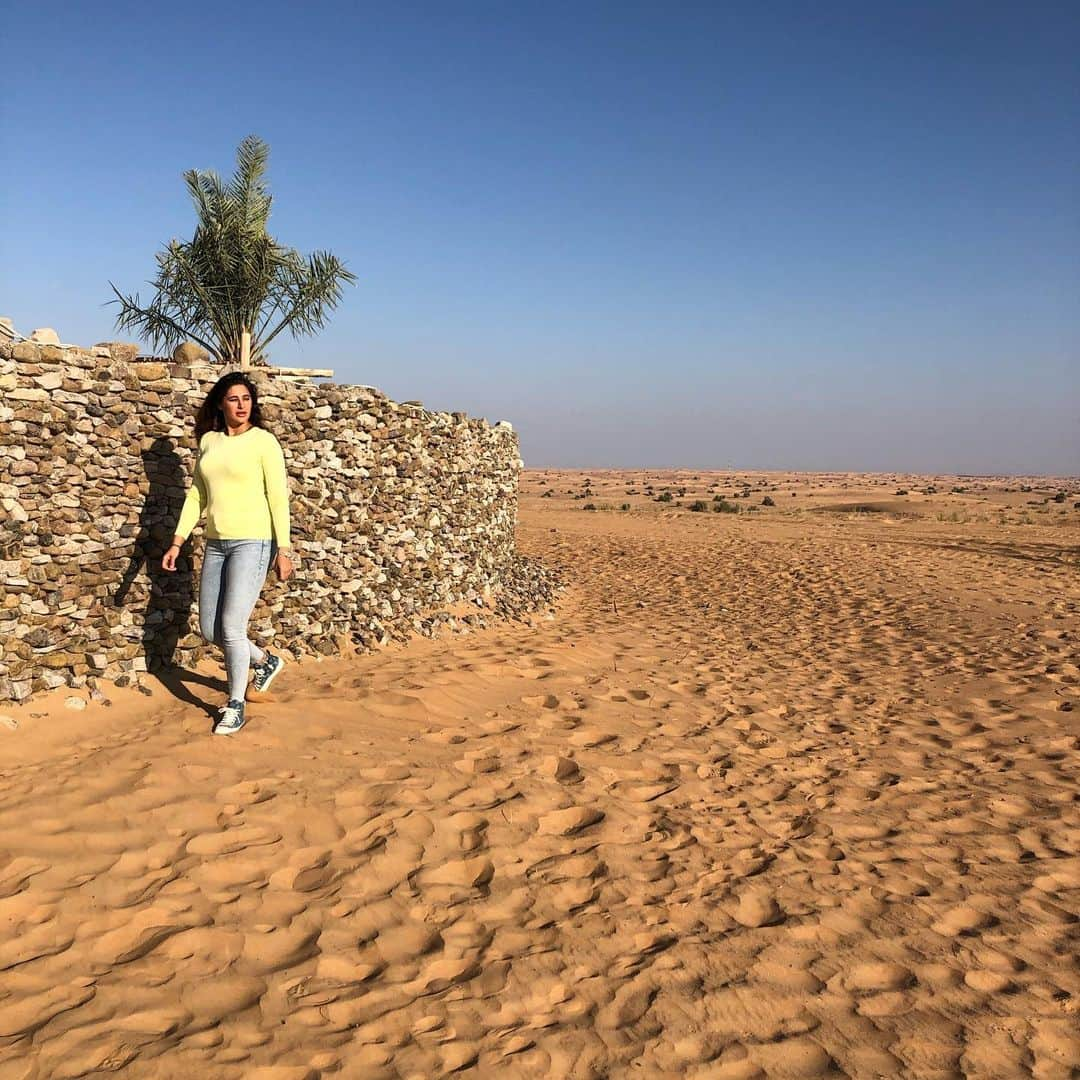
(236, 405)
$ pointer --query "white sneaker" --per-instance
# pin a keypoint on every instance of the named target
(231, 719)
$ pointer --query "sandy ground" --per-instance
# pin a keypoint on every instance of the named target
(787, 792)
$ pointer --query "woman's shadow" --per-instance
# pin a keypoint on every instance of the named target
(170, 595)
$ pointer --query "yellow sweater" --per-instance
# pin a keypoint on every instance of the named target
(240, 482)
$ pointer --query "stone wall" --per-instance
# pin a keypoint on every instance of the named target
(403, 518)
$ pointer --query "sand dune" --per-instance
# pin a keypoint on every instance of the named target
(783, 794)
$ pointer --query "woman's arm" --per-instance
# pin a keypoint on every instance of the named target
(276, 483)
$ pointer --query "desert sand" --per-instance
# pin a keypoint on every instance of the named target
(787, 792)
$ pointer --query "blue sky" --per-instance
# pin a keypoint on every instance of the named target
(755, 235)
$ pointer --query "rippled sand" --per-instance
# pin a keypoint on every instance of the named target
(788, 792)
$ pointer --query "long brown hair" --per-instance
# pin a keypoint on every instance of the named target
(211, 418)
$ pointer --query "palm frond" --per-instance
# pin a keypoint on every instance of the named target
(232, 273)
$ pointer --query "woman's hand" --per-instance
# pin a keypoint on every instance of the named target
(283, 565)
(169, 561)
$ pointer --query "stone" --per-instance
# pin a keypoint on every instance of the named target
(45, 335)
(7, 328)
(25, 351)
(75, 703)
(122, 352)
(8, 723)
(149, 372)
(188, 352)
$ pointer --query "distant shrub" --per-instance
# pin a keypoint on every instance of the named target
(589, 506)
(625, 506)
(722, 506)
(1059, 497)
(718, 498)
(959, 490)
(699, 506)
(665, 496)
(1026, 487)
(931, 490)
(901, 491)
(768, 501)
(548, 494)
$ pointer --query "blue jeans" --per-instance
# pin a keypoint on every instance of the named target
(233, 573)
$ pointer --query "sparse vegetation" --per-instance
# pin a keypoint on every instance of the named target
(699, 506)
(768, 501)
(722, 506)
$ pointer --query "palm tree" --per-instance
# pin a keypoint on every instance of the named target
(233, 276)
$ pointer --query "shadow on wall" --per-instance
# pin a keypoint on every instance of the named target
(168, 609)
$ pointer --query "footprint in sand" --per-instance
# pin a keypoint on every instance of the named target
(276, 948)
(962, 920)
(143, 932)
(570, 821)
(30, 1005)
(587, 738)
(879, 976)
(46, 939)
(758, 908)
(541, 701)
(463, 873)
(15, 875)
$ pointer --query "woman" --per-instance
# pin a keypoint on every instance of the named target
(240, 482)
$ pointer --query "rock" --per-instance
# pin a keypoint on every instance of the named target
(7, 329)
(75, 703)
(45, 335)
(122, 352)
(188, 352)
(150, 371)
(26, 351)
(14, 510)
(8, 722)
